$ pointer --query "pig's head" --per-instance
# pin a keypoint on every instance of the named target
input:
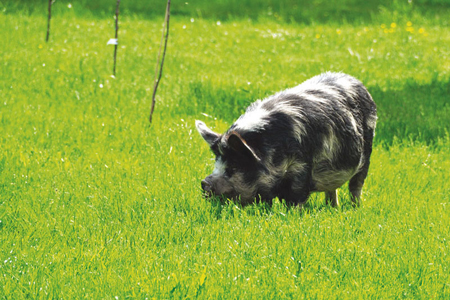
(237, 166)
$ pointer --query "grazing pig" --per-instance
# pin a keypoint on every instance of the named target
(310, 138)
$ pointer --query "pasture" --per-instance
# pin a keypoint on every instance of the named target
(97, 204)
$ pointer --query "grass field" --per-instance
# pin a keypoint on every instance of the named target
(96, 204)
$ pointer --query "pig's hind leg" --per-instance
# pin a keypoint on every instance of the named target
(355, 186)
(357, 181)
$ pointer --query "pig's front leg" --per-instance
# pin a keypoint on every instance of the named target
(332, 198)
(297, 189)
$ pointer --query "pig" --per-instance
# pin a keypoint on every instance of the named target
(310, 138)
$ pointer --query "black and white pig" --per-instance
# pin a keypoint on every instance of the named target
(310, 138)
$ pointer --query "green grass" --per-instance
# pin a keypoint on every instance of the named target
(94, 203)
(298, 11)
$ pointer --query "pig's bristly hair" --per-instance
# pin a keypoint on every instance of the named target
(313, 137)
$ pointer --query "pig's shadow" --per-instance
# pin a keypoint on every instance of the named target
(223, 208)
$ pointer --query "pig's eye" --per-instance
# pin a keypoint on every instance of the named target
(215, 151)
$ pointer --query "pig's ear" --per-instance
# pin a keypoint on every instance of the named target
(238, 144)
(207, 134)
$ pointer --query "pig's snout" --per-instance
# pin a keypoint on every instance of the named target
(207, 187)
(214, 186)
